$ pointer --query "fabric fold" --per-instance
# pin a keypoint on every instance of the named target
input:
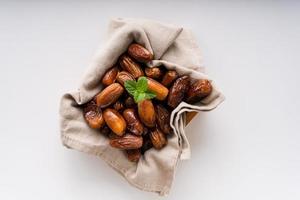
(160, 36)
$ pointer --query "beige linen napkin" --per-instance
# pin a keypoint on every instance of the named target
(175, 48)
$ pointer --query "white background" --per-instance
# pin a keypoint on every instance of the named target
(248, 148)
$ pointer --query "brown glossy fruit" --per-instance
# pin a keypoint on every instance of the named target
(153, 72)
(119, 106)
(110, 76)
(158, 139)
(198, 90)
(124, 76)
(114, 121)
(128, 141)
(139, 53)
(178, 90)
(133, 155)
(93, 115)
(132, 67)
(163, 119)
(169, 77)
(129, 102)
(133, 123)
(109, 95)
(146, 112)
(160, 90)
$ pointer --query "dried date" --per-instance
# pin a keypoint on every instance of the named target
(114, 121)
(128, 141)
(178, 90)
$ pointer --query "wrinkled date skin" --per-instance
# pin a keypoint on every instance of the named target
(110, 76)
(124, 76)
(109, 95)
(160, 90)
(114, 121)
(178, 90)
(133, 123)
(163, 119)
(131, 66)
(158, 139)
(129, 102)
(169, 77)
(93, 115)
(139, 53)
(133, 155)
(146, 112)
(198, 90)
(153, 72)
(128, 141)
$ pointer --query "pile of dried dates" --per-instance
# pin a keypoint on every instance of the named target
(134, 107)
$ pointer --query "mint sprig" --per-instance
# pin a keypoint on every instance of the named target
(139, 89)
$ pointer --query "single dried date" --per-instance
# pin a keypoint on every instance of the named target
(114, 121)
(153, 72)
(163, 119)
(133, 123)
(160, 90)
(178, 90)
(124, 76)
(158, 139)
(198, 90)
(110, 76)
(139, 53)
(109, 95)
(169, 77)
(131, 66)
(146, 112)
(128, 141)
(93, 115)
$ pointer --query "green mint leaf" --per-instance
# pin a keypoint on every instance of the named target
(135, 99)
(142, 84)
(140, 97)
(139, 89)
(131, 87)
(149, 95)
